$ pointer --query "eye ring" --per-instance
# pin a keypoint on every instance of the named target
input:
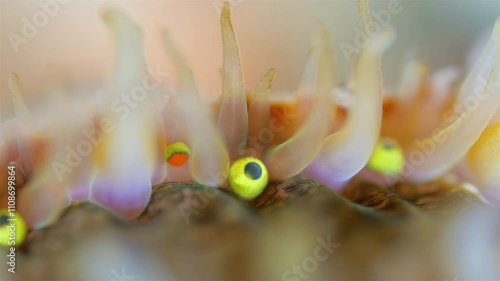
(177, 154)
(387, 157)
(248, 177)
(20, 230)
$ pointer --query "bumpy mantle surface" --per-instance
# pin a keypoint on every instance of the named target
(295, 230)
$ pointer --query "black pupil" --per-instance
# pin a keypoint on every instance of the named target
(3, 219)
(253, 171)
(388, 144)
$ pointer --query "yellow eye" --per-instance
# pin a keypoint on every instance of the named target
(387, 158)
(248, 177)
(13, 229)
(177, 154)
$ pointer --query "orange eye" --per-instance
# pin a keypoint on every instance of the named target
(177, 154)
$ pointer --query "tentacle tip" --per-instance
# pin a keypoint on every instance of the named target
(225, 16)
(15, 85)
(271, 73)
(14, 78)
(109, 16)
(117, 20)
(268, 78)
(381, 41)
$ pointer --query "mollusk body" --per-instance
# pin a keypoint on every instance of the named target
(110, 151)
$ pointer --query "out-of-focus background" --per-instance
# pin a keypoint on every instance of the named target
(49, 42)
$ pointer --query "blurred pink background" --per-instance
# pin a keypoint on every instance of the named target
(75, 47)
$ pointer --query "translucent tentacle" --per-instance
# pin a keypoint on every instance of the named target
(441, 83)
(40, 203)
(20, 108)
(484, 162)
(407, 110)
(344, 153)
(414, 97)
(126, 157)
(414, 75)
(174, 127)
(481, 68)
(307, 86)
(46, 194)
(209, 160)
(129, 60)
(432, 156)
(259, 112)
(365, 21)
(233, 117)
(291, 157)
(27, 142)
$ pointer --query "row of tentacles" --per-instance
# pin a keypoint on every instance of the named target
(112, 152)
